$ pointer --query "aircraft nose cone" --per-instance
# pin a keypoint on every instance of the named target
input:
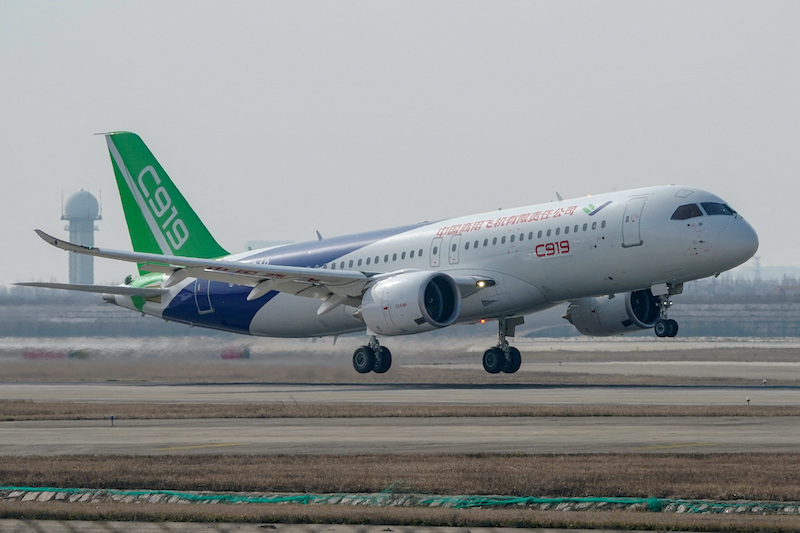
(742, 242)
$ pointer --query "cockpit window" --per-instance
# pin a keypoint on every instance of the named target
(687, 211)
(714, 208)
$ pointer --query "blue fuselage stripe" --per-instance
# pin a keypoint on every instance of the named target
(225, 307)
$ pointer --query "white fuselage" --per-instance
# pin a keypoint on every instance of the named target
(537, 255)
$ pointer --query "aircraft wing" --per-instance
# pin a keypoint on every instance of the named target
(335, 287)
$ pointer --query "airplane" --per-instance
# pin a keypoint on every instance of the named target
(616, 259)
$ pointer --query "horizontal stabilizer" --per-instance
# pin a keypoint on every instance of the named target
(123, 290)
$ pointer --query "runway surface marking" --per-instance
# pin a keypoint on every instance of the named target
(673, 446)
(198, 447)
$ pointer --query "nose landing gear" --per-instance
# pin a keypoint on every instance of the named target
(665, 327)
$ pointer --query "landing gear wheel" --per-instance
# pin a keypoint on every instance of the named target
(513, 361)
(383, 360)
(363, 359)
(665, 328)
(494, 360)
(672, 328)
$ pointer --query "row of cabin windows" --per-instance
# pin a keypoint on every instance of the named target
(376, 260)
(418, 253)
(542, 233)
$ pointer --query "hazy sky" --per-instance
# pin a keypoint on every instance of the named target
(279, 119)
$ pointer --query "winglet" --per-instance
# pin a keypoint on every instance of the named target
(63, 245)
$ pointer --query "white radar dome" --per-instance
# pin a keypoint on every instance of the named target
(81, 205)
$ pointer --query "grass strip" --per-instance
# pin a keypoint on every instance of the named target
(304, 514)
(28, 410)
(718, 477)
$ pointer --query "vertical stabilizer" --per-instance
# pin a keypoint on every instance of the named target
(159, 218)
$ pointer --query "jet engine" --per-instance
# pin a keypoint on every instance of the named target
(615, 315)
(410, 303)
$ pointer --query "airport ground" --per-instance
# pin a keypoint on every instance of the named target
(616, 419)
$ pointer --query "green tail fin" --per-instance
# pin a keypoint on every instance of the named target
(159, 218)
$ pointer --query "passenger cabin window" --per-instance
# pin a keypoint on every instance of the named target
(715, 208)
(686, 211)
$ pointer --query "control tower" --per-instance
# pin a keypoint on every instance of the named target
(81, 210)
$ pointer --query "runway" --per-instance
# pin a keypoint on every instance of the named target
(400, 394)
(402, 435)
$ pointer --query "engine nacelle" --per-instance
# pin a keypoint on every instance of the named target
(410, 303)
(623, 313)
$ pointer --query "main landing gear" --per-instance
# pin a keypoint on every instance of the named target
(503, 358)
(665, 327)
(372, 357)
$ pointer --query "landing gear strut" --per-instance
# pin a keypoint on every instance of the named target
(503, 358)
(372, 357)
(665, 327)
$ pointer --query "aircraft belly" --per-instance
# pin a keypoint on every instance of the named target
(510, 296)
(294, 316)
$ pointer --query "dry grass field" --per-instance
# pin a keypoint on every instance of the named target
(27, 410)
(717, 477)
(727, 477)
(698, 476)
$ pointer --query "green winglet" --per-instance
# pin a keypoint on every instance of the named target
(159, 218)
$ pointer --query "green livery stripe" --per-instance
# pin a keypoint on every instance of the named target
(153, 278)
(159, 218)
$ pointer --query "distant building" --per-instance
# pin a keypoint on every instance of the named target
(81, 210)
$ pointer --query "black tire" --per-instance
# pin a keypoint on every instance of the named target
(672, 329)
(383, 361)
(513, 361)
(661, 328)
(494, 360)
(363, 359)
